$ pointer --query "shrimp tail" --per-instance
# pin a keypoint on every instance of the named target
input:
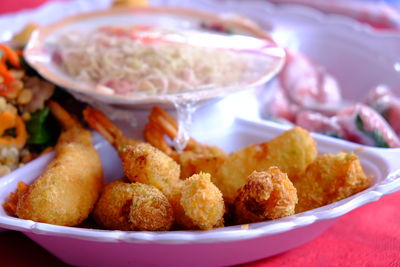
(98, 121)
(10, 205)
(66, 120)
(163, 123)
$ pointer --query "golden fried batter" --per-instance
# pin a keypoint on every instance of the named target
(133, 207)
(146, 164)
(266, 195)
(65, 193)
(291, 152)
(330, 178)
(202, 202)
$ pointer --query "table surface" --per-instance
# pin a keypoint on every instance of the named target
(369, 235)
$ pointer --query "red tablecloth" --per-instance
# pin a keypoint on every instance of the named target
(368, 236)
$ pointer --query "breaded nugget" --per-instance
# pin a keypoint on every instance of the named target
(133, 207)
(266, 195)
(65, 193)
(202, 203)
(330, 178)
(291, 152)
(145, 164)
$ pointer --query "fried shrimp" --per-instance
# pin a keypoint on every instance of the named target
(133, 207)
(141, 161)
(330, 178)
(148, 165)
(65, 193)
(291, 152)
(266, 195)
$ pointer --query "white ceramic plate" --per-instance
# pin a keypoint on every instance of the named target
(263, 59)
(224, 246)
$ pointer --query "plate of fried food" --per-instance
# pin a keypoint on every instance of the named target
(246, 192)
(262, 187)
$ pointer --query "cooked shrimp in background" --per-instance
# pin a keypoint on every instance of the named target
(133, 207)
(146, 164)
(292, 152)
(65, 193)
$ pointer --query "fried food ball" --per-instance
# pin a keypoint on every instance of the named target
(145, 164)
(266, 195)
(202, 202)
(133, 207)
(330, 178)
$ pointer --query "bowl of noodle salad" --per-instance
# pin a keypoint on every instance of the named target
(153, 55)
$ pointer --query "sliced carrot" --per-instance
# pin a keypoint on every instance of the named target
(10, 55)
(22, 135)
(7, 120)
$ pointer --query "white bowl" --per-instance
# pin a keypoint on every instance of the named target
(358, 56)
(262, 57)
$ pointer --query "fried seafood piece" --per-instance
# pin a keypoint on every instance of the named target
(199, 203)
(291, 152)
(146, 164)
(330, 178)
(267, 195)
(141, 161)
(65, 193)
(196, 157)
(133, 207)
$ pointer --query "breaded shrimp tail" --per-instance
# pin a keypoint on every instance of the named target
(141, 161)
(65, 193)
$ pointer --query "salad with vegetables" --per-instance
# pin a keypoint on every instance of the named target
(26, 128)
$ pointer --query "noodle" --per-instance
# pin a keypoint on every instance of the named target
(133, 61)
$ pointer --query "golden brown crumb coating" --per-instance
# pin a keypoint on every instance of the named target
(133, 207)
(66, 191)
(266, 195)
(202, 202)
(291, 152)
(330, 178)
(146, 164)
